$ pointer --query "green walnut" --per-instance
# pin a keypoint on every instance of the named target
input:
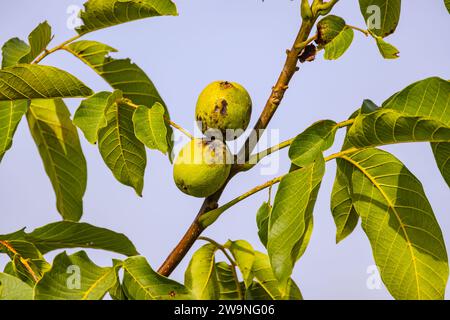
(223, 106)
(202, 167)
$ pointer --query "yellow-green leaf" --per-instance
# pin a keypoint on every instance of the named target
(12, 288)
(344, 214)
(312, 142)
(387, 50)
(99, 14)
(122, 152)
(26, 81)
(339, 45)
(406, 239)
(290, 223)
(59, 146)
(200, 276)
(150, 127)
(228, 287)
(244, 255)
(122, 75)
(11, 112)
(381, 16)
(140, 282)
(16, 51)
(90, 116)
(75, 277)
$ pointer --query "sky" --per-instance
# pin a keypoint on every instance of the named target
(242, 41)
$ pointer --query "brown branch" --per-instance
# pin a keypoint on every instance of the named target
(289, 69)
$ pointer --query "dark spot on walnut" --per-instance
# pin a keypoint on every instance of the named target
(223, 110)
(226, 85)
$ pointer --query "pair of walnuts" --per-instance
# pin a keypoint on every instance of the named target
(223, 113)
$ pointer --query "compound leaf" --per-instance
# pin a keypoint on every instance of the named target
(122, 75)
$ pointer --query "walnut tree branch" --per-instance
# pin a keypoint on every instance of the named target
(278, 91)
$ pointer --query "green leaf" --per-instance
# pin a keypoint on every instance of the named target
(339, 45)
(405, 237)
(244, 255)
(387, 50)
(75, 277)
(442, 154)
(387, 126)
(227, 284)
(117, 291)
(266, 286)
(66, 234)
(150, 127)
(122, 152)
(38, 39)
(368, 106)
(122, 75)
(290, 223)
(310, 144)
(262, 221)
(344, 214)
(59, 146)
(142, 283)
(12, 288)
(11, 112)
(201, 275)
(426, 98)
(328, 29)
(447, 5)
(25, 81)
(28, 264)
(381, 16)
(90, 116)
(16, 51)
(99, 14)
(12, 51)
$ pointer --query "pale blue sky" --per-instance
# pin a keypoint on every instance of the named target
(242, 41)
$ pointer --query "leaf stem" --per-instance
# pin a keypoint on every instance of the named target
(58, 47)
(365, 32)
(341, 154)
(254, 159)
(345, 123)
(231, 260)
(210, 217)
